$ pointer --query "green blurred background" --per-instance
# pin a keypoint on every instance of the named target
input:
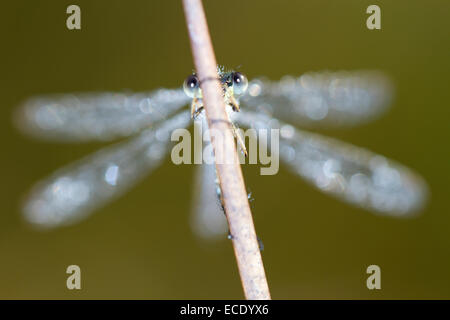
(141, 245)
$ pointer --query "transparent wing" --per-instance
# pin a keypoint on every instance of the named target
(207, 218)
(322, 98)
(96, 116)
(352, 174)
(76, 190)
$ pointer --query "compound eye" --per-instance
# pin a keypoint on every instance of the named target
(191, 86)
(240, 83)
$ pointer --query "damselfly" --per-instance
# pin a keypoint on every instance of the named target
(350, 173)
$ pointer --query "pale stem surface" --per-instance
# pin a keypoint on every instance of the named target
(229, 172)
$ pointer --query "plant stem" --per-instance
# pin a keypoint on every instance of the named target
(229, 172)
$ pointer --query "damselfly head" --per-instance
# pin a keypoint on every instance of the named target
(235, 83)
